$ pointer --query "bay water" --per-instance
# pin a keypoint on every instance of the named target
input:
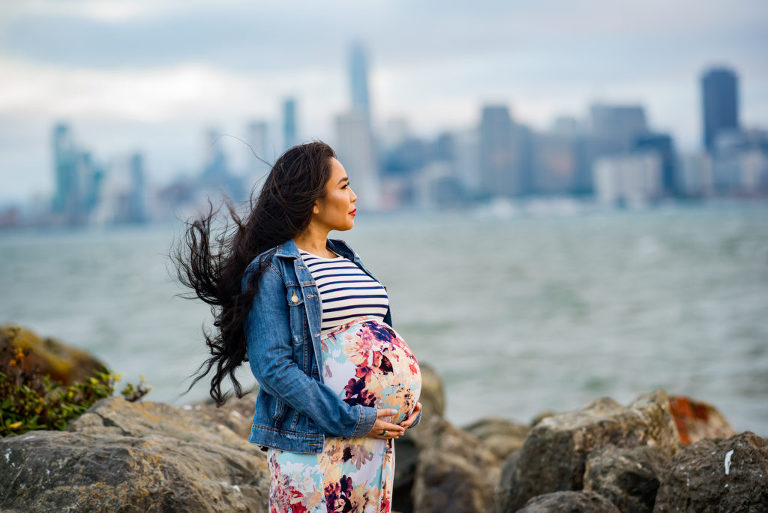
(518, 313)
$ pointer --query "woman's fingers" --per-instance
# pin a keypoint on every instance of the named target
(383, 429)
(412, 417)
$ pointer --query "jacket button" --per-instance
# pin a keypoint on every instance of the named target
(294, 298)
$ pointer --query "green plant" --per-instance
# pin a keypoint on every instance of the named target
(31, 400)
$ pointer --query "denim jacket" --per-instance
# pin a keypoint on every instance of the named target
(294, 409)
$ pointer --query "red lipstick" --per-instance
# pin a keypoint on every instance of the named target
(353, 213)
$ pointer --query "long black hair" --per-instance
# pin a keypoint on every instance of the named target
(212, 264)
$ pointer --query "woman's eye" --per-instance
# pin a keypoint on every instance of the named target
(345, 186)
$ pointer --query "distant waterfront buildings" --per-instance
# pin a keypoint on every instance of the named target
(719, 104)
(611, 155)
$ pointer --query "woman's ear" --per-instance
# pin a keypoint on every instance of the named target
(316, 207)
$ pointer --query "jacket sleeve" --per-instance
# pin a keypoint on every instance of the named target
(270, 355)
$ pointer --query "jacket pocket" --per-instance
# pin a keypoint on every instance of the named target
(298, 314)
(279, 412)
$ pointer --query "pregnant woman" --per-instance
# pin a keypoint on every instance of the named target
(337, 384)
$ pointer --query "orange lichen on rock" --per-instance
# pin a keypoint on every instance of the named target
(696, 420)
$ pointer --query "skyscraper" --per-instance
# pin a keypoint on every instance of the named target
(505, 154)
(719, 103)
(289, 123)
(664, 146)
(355, 149)
(617, 126)
(66, 196)
(358, 79)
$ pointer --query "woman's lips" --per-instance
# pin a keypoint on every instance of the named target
(353, 213)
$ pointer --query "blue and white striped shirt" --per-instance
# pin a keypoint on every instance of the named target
(345, 290)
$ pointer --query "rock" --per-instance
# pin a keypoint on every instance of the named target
(717, 475)
(407, 450)
(432, 396)
(569, 502)
(553, 457)
(500, 436)
(541, 416)
(454, 471)
(629, 478)
(696, 420)
(134, 457)
(236, 413)
(61, 362)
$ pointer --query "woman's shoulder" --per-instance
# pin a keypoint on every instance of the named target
(264, 260)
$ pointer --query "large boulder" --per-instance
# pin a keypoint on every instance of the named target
(133, 457)
(236, 413)
(569, 502)
(628, 477)
(500, 436)
(717, 475)
(553, 457)
(696, 420)
(407, 449)
(63, 363)
(454, 471)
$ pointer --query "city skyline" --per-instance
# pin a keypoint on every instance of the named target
(121, 97)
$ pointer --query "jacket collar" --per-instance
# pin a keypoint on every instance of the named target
(288, 249)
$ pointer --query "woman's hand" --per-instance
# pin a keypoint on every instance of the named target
(412, 417)
(384, 430)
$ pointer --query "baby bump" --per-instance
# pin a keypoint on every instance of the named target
(366, 362)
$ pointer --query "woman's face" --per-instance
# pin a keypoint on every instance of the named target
(336, 211)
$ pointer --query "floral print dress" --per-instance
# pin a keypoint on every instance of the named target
(367, 363)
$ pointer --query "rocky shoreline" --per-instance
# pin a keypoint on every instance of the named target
(656, 454)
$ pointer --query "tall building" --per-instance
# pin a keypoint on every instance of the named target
(505, 154)
(290, 137)
(354, 147)
(719, 103)
(358, 79)
(67, 194)
(663, 145)
(617, 126)
(631, 180)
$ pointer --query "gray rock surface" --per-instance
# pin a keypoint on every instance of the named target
(133, 457)
(569, 502)
(454, 471)
(406, 448)
(553, 457)
(629, 478)
(714, 475)
(500, 436)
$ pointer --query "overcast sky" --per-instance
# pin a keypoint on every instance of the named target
(151, 75)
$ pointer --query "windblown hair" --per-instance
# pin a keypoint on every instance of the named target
(213, 264)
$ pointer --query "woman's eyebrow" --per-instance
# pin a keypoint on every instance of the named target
(342, 179)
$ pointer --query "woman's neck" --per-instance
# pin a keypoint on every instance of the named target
(313, 240)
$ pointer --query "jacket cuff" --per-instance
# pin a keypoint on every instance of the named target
(416, 422)
(366, 421)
